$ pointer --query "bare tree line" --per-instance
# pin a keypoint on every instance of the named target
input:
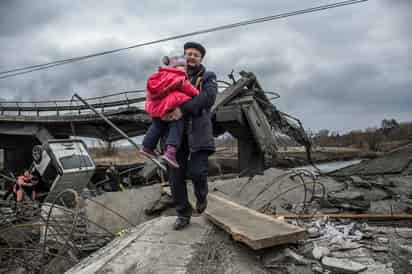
(388, 136)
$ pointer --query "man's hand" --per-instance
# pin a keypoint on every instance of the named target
(176, 114)
(166, 117)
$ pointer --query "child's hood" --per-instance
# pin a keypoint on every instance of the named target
(165, 78)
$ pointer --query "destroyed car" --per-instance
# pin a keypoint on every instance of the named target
(63, 164)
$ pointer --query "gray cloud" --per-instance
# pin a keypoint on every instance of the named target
(18, 17)
(341, 69)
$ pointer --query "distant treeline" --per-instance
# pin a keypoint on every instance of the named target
(390, 135)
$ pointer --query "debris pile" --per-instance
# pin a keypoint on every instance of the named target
(48, 238)
(346, 247)
(282, 221)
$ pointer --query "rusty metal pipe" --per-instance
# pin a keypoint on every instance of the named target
(121, 132)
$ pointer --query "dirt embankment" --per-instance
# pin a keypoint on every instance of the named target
(123, 157)
(225, 159)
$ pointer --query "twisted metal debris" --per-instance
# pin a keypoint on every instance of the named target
(48, 238)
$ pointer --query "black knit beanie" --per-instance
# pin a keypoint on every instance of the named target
(194, 45)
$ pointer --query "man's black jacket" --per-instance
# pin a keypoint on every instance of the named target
(197, 112)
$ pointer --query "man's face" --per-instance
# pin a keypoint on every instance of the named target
(193, 57)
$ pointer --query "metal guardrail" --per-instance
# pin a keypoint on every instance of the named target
(126, 99)
(34, 108)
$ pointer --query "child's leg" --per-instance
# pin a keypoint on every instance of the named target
(175, 134)
(173, 141)
(153, 134)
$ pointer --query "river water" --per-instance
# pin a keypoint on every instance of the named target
(331, 166)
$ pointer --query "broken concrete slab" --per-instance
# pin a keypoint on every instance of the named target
(376, 194)
(377, 248)
(379, 268)
(395, 162)
(347, 195)
(152, 247)
(318, 269)
(382, 240)
(345, 245)
(390, 207)
(275, 257)
(359, 182)
(131, 204)
(342, 265)
(314, 232)
(331, 184)
(221, 255)
(405, 231)
(358, 254)
(406, 248)
(231, 187)
(349, 201)
(401, 184)
(157, 207)
(296, 258)
(262, 192)
(149, 170)
(283, 256)
(319, 252)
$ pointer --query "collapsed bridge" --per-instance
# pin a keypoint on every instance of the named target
(243, 109)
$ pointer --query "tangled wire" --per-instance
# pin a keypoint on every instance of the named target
(52, 237)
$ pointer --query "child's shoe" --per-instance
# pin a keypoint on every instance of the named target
(170, 156)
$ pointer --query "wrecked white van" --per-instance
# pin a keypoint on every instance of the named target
(63, 164)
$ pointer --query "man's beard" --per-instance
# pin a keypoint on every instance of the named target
(192, 68)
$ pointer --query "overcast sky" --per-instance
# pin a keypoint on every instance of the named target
(341, 69)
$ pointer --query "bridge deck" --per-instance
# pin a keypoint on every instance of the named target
(62, 117)
(116, 114)
(34, 108)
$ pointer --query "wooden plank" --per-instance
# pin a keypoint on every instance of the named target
(255, 229)
(248, 226)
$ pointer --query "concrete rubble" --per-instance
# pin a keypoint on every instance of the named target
(332, 245)
(342, 265)
(148, 248)
(349, 221)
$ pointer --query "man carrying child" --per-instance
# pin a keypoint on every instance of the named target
(192, 118)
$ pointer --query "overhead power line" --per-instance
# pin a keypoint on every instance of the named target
(28, 69)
